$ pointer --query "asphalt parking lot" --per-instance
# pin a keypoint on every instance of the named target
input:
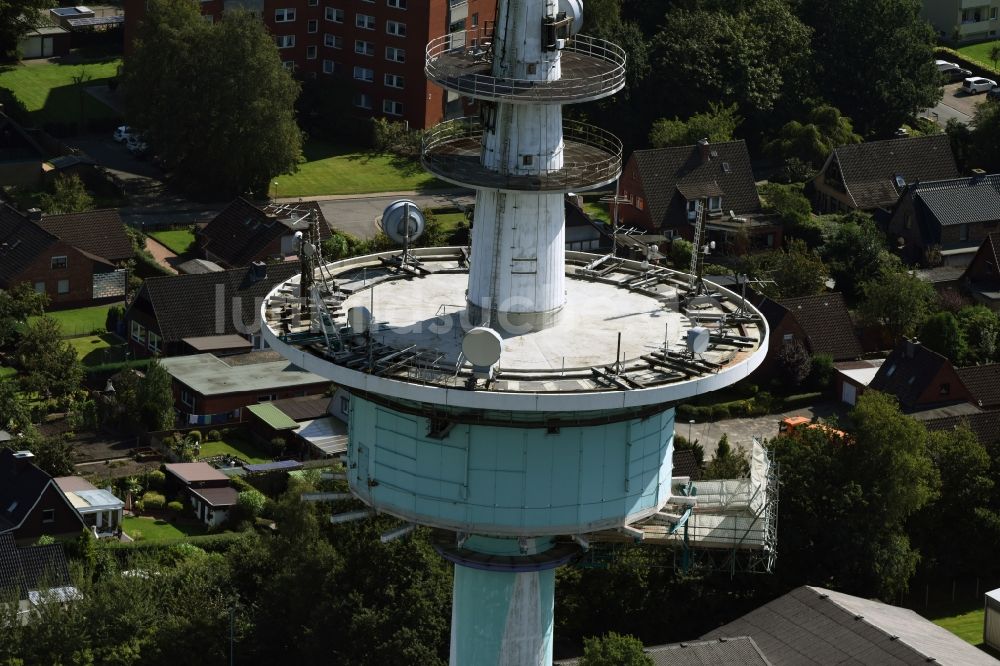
(957, 99)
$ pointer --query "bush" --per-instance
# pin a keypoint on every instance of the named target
(152, 501)
(214, 436)
(720, 412)
(252, 501)
(156, 480)
(175, 507)
(821, 373)
(195, 436)
(169, 442)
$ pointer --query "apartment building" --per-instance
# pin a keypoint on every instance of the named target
(375, 46)
(963, 20)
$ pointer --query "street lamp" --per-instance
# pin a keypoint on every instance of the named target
(275, 189)
(690, 423)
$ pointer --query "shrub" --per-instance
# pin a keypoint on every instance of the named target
(195, 436)
(139, 506)
(240, 483)
(214, 436)
(156, 479)
(169, 442)
(175, 507)
(821, 372)
(153, 501)
(720, 412)
(252, 501)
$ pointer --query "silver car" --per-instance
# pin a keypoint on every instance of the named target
(975, 85)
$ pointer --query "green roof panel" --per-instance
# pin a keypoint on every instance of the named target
(273, 416)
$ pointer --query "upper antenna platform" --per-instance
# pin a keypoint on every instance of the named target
(403, 222)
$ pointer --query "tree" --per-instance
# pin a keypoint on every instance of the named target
(49, 364)
(727, 463)
(15, 414)
(981, 330)
(794, 363)
(17, 17)
(680, 253)
(225, 123)
(16, 305)
(873, 60)
(155, 398)
(68, 196)
(985, 138)
(614, 649)
(793, 209)
(811, 142)
(718, 124)
(855, 253)
(796, 271)
(252, 501)
(54, 455)
(942, 333)
(896, 300)
(995, 54)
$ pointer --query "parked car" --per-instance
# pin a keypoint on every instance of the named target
(955, 74)
(122, 134)
(975, 85)
(943, 65)
(137, 145)
(993, 94)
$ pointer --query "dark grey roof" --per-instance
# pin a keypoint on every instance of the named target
(242, 230)
(908, 371)
(666, 173)
(961, 200)
(811, 625)
(304, 408)
(21, 241)
(685, 463)
(97, 232)
(30, 569)
(185, 306)
(21, 484)
(869, 169)
(827, 324)
(983, 382)
(740, 651)
(985, 425)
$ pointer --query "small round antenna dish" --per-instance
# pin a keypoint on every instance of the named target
(697, 339)
(482, 346)
(574, 10)
(403, 222)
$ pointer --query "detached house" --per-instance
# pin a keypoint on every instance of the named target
(948, 217)
(31, 504)
(73, 258)
(920, 378)
(870, 176)
(663, 187)
(243, 232)
(207, 312)
(982, 276)
(820, 323)
(206, 488)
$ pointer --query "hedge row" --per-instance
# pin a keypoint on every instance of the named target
(760, 405)
(945, 53)
(213, 543)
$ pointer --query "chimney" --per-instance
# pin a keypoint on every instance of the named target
(258, 271)
(703, 150)
(911, 347)
(34, 214)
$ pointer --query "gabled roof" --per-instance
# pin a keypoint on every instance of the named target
(241, 231)
(185, 305)
(670, 174)
(21, 485)
(217, 497)
(97, 232)
(827, 324)
(869, 169)
(908, 371)
(988, 253)
(985, 425)
(960, 200)
(30, 569)
(983, 382)
(686, 464)
(21, 241)
(811, 625)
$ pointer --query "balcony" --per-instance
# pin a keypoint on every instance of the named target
(592, 158)
(463, 62)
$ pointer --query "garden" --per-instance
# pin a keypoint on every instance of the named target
(193, 445)
(177, 241)
(53, 93)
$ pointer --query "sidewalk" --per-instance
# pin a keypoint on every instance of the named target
(161, 253)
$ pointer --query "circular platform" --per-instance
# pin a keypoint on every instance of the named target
(413, 352)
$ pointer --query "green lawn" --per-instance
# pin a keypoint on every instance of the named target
(597, 211)
(331, 169)
(980, 52)
(49, 93)
(234, 447)
(99, 349)
(81, 321)
(450, 221)
(178, 240)
(7, 372)
(155, 529)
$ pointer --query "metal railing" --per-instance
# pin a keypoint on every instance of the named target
(591, 157)
(462, 62)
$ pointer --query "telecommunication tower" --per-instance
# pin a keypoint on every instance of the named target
(517, 397)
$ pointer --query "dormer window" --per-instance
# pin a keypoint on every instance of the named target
(715, 203)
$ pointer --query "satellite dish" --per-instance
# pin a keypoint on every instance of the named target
(574, 10)
(403, 222)
(697, 339)
(359, 318)
(482, 346)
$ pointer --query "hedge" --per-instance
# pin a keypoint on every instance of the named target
(966, 61)
(213, 543)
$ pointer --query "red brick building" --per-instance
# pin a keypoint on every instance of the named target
(31, 504)
(377, 46)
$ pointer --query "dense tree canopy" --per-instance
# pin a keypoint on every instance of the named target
(896, 300)
(793, 271)
(718, 124)
(225, 124)
(942, 333)
(812, 141)
(49, 363)
(855, 253)
(614, 650)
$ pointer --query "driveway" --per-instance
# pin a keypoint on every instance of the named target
(356, 215)
(955, 103)
(742, 431)
(114, 156)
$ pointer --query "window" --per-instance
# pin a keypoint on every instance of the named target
(475, 19)
(58, 262)
(138, 332)
(963, 232)
(395, 28)
(392, 107)
(312, 26)
(285, 15)
(394, 54)
(945, 389)
(364, 74)
(285, 41)
(266, 397)
(993, 13)
(154, 343)
(715, 203)
(187, 398)
(335, 15)
(310, 53)
(363, 101)
(787, 338)
(289, 65)
(393, 80)
(396, 4)
(364, 48)
(457, 26)
(640, 203)
(330, 67)
(527, 160)
(48, 515)
(63, 287)
(345, 405)
(364, 21)
(40, 287)
(313, 3)
(333, 41)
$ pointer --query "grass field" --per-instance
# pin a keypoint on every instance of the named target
(980, 52)
(178, 240)
(49, 93)
(597, 211)
(6, 372)
(450, 221)
(330, 169)
(234, 447)
(966, 625)
(98, 349)
(81, 321)
(154, 529)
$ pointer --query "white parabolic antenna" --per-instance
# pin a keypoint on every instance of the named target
(697, 339)
(482, 346)
(403, 222)
(574, 10)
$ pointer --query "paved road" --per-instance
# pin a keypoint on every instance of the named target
(742, 431)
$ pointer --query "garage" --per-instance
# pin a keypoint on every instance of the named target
(45, 42)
